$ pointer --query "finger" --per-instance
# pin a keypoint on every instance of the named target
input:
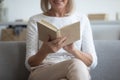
(55, 41)
(69, 44)
(62, 40)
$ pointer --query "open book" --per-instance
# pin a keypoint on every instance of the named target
(48, 31)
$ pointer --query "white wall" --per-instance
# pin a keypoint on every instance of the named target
(110, 7)
(23, 9)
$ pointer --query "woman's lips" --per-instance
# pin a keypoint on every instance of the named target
(58, 1)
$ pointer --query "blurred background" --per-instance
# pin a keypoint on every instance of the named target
(23, 9)
(102, 14)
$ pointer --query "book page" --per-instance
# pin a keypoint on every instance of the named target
(45, 33)
(47, 24)
(72, 32)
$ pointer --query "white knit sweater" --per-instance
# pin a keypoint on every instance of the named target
(85, 43)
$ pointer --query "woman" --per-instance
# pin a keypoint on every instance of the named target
(51, 60)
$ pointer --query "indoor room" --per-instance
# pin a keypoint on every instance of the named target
(102, 18)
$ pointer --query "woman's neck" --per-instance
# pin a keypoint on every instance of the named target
(57, 13)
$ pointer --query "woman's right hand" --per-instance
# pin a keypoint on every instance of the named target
(47, 48)
(54, 45)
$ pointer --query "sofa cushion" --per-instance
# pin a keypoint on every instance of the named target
(12, 56)
(108, 53)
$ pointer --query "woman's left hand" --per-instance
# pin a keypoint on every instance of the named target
(85, 57)
(69, 48)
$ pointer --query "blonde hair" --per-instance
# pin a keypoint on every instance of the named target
(45, 6)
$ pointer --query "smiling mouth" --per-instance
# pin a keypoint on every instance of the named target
(58, 1)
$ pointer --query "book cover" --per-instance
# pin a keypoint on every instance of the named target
(47, 31)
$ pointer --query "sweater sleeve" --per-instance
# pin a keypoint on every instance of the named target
(87, 41)
(31, 41)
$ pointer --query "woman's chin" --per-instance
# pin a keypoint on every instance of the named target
(59, 7)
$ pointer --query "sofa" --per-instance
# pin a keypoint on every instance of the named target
(12, 57)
